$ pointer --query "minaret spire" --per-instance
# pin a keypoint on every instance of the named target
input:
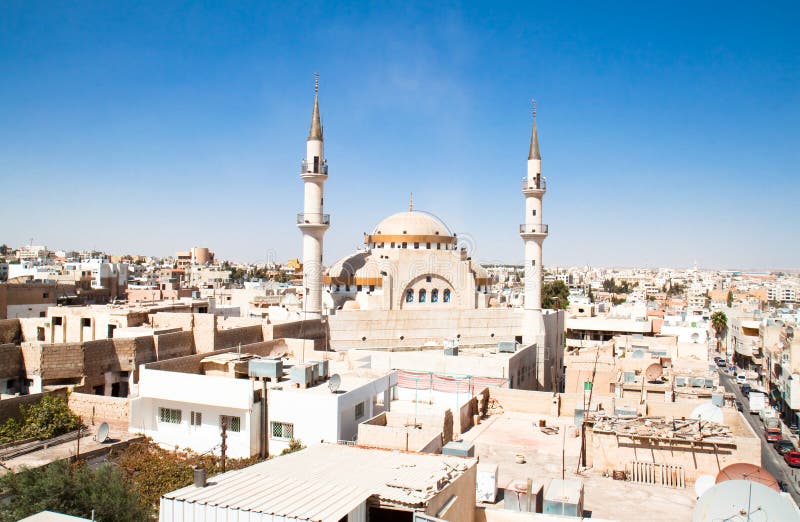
(533, 152)
(411, 203)
(315, 133)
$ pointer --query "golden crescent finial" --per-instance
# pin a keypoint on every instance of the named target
(316, 83)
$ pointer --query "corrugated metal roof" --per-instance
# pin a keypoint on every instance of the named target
(327, 481)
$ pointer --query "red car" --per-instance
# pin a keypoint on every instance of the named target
(793, 459)
(773, 435)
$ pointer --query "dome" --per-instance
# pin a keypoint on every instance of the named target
(412, 223)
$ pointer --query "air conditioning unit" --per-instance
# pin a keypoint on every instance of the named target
(323, 371)
(459, 448)
(451, 350)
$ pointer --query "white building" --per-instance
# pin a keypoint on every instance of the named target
(182, 403)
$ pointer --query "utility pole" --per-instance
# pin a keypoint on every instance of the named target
(224, 445)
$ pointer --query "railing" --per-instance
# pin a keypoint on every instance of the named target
(535, 184)
(533, 229)
(313, 219)
(307, 167)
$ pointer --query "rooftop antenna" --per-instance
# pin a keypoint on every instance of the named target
(411, 202)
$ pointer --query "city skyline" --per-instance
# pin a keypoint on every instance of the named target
(664, 144)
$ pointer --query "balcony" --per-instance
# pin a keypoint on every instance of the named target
(313, 219)
(307, 167)
(536, 184)
(534, 229)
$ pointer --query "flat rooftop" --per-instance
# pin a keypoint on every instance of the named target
(325, 482)
(499, 438)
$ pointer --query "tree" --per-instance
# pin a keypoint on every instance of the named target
(48, 418)
(555, 295)
(72, 489)
(590, 295)
(719, 322)
(730, 299)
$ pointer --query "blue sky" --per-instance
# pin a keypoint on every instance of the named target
(669, 133)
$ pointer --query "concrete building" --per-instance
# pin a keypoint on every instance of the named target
(30, 299)
(334, 483)
(183, 401)
(194, 256)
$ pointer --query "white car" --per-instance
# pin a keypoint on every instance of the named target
(741, 378)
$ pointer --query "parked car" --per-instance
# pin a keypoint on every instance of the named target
(739, 406)
(773, 434)
(741, 378)
(784, 446)
(793, 428)
(746, 389)
(721, 363)
(792, 458)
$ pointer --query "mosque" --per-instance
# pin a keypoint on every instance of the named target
(412, 286)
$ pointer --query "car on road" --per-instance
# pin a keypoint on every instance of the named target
(739, 406)
(784, 446)
(746, 389)
(792, 458)
(720, 362)
(773, 434)
(741, 378)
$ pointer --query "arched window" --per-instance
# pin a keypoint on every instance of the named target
(435, 295)
(423, 295)
(446, 295)
(409, 296)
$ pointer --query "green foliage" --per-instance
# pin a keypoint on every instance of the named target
(611, 286)
(730, 299)
(719, 322)
(152, 471)
(294, 445)
(48, 418)
(72, 489)
(618, 300)
(555, 295)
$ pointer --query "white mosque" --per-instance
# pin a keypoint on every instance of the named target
(411, 285)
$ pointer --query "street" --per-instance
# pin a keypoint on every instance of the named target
(771, 460)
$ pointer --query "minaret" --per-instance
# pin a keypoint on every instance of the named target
(533, 233)
(312, 222)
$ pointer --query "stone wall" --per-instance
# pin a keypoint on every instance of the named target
(239, 335)
(175, 344)
(60, 361)
(191, 363)
(11, 361)
(10, 331)
(376, 433)
(96, 409)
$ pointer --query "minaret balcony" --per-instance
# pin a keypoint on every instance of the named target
(311, 219)
(308, 168)
(534, 185)
(534, 230)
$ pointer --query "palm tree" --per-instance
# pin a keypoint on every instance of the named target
(719, 322)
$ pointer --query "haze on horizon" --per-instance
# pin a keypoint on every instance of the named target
(669, 135)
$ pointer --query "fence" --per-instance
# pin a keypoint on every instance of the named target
(669, 475)
(449, 383)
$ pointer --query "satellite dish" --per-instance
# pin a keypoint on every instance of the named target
(334, 382)
(749, 500)
(102, 433)
(653, 372)
(703, 484)
(708, 412)
(751, 472)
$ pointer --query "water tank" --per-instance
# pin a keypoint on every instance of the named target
(265, 367)
(459, 449)
(302, 374)
(451, 350)
(506, 347)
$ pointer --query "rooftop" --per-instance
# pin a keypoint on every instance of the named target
(340, 477)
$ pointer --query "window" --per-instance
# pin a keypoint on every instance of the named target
(392, 243)
(85, 321)
(534, 212)
(358, 288)
(282, 430)
(409, 296)
(197, 418)
(405, 245)
(435, 295)
(45, 295)
(427, 279)
(428, 246)
(42, 314)
(169, 415)
(359, 410)
(423, 295)
(438, 246)
(57, 321)
(234, 423)
(371, 288)
(416, 245)
(446, 295)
